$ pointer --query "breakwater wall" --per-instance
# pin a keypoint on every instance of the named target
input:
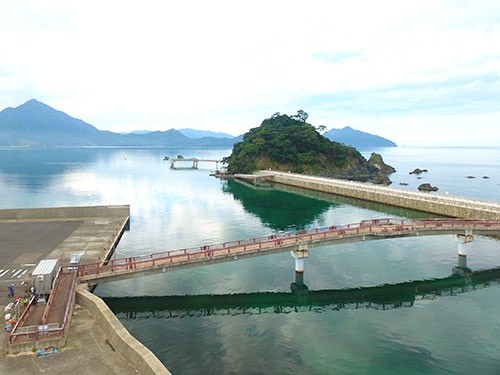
(122, 341)
(65, 212)
(419, 201)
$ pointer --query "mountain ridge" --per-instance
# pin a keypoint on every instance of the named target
(357, 138)
(36, 124)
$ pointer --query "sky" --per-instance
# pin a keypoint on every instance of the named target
(420, 73)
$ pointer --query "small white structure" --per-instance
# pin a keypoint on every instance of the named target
(44, 274)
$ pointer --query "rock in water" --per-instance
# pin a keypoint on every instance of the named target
(427, 187)
(377, 162)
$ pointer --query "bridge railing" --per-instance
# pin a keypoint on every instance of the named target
(381, 226)
(22, 334)
(36, 333)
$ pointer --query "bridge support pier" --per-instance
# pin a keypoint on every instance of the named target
(298, 287)
(463, 240)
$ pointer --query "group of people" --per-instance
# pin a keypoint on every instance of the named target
(11, 290)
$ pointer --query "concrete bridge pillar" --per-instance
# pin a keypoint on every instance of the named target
(300, 254)
(298, 287)
(463, 240)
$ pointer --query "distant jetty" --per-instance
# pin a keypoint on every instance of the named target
(192, 163)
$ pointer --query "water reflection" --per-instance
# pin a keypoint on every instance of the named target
(337, 200)
(278, 209)
(381, 297)
(36, 169)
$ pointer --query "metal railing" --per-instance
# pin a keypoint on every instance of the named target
(376, 227)
(23, 334)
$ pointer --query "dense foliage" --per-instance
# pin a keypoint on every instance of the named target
(289, 143)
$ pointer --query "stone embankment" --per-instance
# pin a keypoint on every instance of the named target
(424, 202)
(121, 340)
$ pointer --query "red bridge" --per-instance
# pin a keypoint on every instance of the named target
(49, 322)
(130, 267)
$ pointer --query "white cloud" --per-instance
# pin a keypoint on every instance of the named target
(225, 65)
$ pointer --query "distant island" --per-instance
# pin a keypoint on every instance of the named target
(35, 124)
(289, 143)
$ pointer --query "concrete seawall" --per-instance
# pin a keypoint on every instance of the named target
(122, 341)
(64, 212)
(419, 201)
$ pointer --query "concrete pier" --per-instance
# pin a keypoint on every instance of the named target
(194, 162)
(29, 235)
(418, 201)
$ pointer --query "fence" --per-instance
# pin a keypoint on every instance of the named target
(22, 334)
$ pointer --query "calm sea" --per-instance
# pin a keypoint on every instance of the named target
(239, 317)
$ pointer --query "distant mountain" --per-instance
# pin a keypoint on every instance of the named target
(357, 138)
(37, 124)
(195, 134)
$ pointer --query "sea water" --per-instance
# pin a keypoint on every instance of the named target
(450, 331)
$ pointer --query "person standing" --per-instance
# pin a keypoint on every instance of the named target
(11, 290)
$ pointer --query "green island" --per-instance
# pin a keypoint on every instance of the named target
(290, 144)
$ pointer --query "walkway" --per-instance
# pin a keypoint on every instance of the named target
(54, 316)
(425, 202)
(119, 269)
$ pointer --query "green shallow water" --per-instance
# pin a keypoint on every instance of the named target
(197, 323)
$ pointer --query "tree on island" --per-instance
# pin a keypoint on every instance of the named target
(321, 129)
(301, 116)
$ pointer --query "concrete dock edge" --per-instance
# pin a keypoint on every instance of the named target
(122, 341)
(65, 212)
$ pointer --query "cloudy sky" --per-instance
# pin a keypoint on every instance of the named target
(418, 73)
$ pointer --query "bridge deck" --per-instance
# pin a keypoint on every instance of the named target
(365, 230)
